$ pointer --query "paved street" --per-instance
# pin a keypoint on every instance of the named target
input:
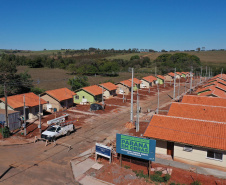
(36, 164)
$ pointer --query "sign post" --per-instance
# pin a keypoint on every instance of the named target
(136, 147)
(103, 150)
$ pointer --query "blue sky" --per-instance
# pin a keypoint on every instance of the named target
(143, 24)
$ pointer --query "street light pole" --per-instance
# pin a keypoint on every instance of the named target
(131, 113)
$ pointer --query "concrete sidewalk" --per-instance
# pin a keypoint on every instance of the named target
(82, 164)
(200, 170)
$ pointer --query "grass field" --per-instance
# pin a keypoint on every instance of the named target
(207, 57)
(57, 78)
(125, 56)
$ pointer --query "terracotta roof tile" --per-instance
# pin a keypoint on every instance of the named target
(16, 101)
(127, 83)
(161, 77)
(94, 90)
(149, 78)
(135, 80)
(109, 86)
(188, 131)
(171, 74)
(203, 112)
(61, 94)
(204, 100)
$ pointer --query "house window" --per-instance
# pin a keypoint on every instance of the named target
(187, 148)
(83, 97)
(77, 97)
(214, 155)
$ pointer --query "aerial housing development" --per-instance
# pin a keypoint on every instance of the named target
(113, 92)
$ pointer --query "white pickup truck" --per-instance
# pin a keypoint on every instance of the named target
(56, 131)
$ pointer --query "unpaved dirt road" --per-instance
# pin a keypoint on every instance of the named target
(39, 164)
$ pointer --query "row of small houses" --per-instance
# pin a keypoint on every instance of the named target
(215, 87)
(193, 131)
(59, 99)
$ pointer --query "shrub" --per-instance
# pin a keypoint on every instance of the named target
(157, 178)
(127, 167)
(196, 182)
(6, 132)
(159, 173)
(172, 183)
(166, 177)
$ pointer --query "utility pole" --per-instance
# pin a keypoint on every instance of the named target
(149, 86)
(131, 113)
(123, 92)
(158, 101)
(179, 88)
(25, 126)
(201, 75)
(138, 110)
(206, 72)
(40, 123)
(155, 71)
(191, 80)
(102, 97)
(6, 107)
(209, 72)
(174, 85)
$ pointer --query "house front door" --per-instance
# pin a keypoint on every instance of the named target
(170, 148)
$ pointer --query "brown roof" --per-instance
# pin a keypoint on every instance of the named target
(150, 78)
(2, 111)
(160, 76)
(17, 101)
(135, 80)
(204, 100)
(127, 83)
(203, 112)
(94, 90)
(171, 74)
(188, 131)
(61, 94)
(109, 86)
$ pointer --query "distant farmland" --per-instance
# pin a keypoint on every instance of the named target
(206, 57)
(57, 78)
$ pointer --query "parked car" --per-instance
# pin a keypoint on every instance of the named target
(96, 106)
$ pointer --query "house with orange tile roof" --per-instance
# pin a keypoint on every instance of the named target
(90, 94)
(16, 103)
(58, 99)
(109, 89)
(170, 76)
(137, 83)
(124, 87)
(193, 141)
(204, 100)
(197, 111)
(160, 79)
(148, 81)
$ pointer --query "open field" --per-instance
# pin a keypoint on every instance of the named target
(57, 78)
(205, 56)
(126, 56)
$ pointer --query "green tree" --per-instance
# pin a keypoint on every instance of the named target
(134, 57)
(15, 83)
(78, 82)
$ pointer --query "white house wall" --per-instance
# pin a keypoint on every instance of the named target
(198, 156)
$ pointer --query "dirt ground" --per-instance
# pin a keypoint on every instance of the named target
(113, 173)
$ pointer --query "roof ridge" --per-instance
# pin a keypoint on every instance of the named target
(191, 119)
(197, 104)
